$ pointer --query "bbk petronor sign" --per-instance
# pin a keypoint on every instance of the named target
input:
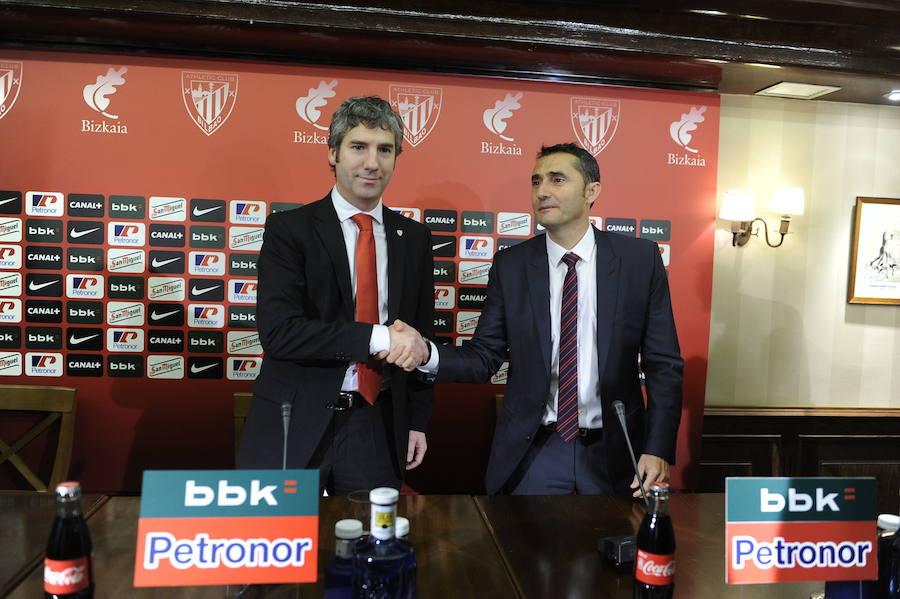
(800, 529)
(218, 527)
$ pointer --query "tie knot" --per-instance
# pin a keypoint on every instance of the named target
(570, 259)
(363, 221)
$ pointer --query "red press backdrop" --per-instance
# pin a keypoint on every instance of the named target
(134, 191)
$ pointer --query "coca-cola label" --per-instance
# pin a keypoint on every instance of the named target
(62, 577)
(655, 569)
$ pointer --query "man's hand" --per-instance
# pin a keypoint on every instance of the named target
(416, 449)
(408, 348)
(652, 469)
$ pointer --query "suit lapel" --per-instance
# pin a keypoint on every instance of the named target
(608, 270)
(329, 231)
(538, 283)
(396, 243)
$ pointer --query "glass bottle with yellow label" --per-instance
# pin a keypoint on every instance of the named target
(380, 568)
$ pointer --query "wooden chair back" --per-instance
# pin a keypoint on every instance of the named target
(241, 409)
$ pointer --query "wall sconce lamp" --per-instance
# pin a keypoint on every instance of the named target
(738, 207)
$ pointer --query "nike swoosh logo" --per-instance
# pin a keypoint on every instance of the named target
(76, 340)
(157, 263)
(195, 369)
(199, 212)
(35, 286)
(76, 234)
(7, 201)
(440, 245)
(155, 316)
(196, 291)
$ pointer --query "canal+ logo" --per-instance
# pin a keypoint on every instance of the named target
(226, 494)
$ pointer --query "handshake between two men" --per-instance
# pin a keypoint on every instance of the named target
(408, 348)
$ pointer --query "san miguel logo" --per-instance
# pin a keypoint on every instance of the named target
(209, 98)
(10, 82)
(595, 121)
(419, 108)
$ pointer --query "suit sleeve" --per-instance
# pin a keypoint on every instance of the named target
(663, 367)
(286, 328)
(421, 393)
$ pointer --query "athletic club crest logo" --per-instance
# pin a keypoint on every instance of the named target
(209, 98)
(10, 82)
(419, 108)
(595, 121)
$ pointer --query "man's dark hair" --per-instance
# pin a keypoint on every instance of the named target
(370, 111)
(585, 163)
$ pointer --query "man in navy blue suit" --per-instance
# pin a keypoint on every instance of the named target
(574, 310)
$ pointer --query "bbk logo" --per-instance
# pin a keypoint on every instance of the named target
(507, 242)
(96, 94)
(283, 206)
(443, 246)
(10, 364)
(11, 284)
(207, 211)
(43, 337)
(41, 364)
(10, 82)
(125, 340)
(127, 207)
(208, 237)
(10, 337)
(466, 322)
(125, 314)
(207, 263)
(624, 226)
(44, 203)
(10, 310)
(166, 262)
(127, 288)
(167, 235)
(444, 271)
(443, 322)
(165, 367)
(125, 366)
(245, 238)
(206, 316)
(665, 252)
(242, 265)
(242, 317)
(241, 291)
(474, 273)
(11, 257)
(10, 202)
(43, 310)
(207, 342)
(472, 298)
(477, 222)
(410, 213)
(594, 121)
(242, 342)
(84, 286)
(308, 106)
(85, 205)
(205, 368)
(84, 339)
(494, 120)
(440, 220)
(165, 208)
(476, 247)
(229, 495)
(11, 230)
(514, 223)
(84, 365)
(165, 315)
(243, 369)
(165, 340)
(43, 257)
(209, 98)
(206, 290)
(84, 312)
(41, 285)
(797, 502)
(89, 259)
(419, 108)
(657, 230)
(444, 297)
(245, 212)
(41, 231)
(122, 260)
(85, 232)
(168, 289)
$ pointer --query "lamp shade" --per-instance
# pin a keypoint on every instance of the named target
(787, 200)
(737, 205)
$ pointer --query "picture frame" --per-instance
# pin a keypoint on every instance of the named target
(875, 257)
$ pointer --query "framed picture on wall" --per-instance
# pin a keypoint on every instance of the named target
(875, 261)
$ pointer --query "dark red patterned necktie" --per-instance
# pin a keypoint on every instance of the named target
(567, 395)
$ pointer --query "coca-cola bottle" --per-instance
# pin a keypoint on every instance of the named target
(67, 568)
(654, 564)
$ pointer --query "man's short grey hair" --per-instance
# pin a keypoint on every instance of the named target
(370, 111)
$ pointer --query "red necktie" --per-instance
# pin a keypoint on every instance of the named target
(567, 394)
(368, 373)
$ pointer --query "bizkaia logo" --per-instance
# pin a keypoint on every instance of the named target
(242, 317)
(441, 220)
(209, 342)
(125, 340)
(514, 223)
(169, 289)
(88, 232)
(128, 207)
(165, 367)
(42, 364)
(207, 237)
(246, 212)
(84, 312)
(84, 365)
(168, 209)
(410, 213)
(243, 369)
(96, 97)
(90, 259)
(623, 226)
(84, 339)
(665, 253)
(40, 231)
(205, 367)
(207, 211)
(419, 107)
(11, 257)
(245, 238)
(10, 364)
(44, 203)
(10, 83)
(474, 273)
(206, 316)
(43, 310)
(40, 257)
(166, 262)
(209, 98)
(10, 337)
(657, 230)
(43, 337)
(10, 202)
(594, 121)
(308, 109)
(85, 205)
(128, 288)
(494, 120)
(443, 246)
(680, 132)
(207, 263)
(472, 298)
(444, 271)
(444, 297)
(122, 260)
(165, 315)
(125, 314)
(84, 286)
(477, 222)
(241, 342)
(11, 284)
(165, 340)
(206, 290)
(242, 265)
(11, 230)
(130, 234)
(125, 366)
(241, 291)
(476, 247)
(41, 285)
(10, 310)
(167, 235)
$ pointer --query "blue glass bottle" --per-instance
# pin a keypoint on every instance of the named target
(380, 566)
(339, 571)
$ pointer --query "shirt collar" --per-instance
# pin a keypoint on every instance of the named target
(584, 249)
(346, 210)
